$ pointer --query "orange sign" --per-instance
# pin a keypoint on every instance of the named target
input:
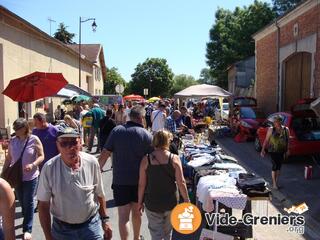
(186, 218)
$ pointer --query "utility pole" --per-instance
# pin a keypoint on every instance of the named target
(50, 21)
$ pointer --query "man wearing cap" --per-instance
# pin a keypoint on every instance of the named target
(71, 188)
(128, 143)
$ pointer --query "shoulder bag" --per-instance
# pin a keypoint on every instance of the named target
(13, 174)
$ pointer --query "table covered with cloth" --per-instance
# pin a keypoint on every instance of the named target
(221, 188)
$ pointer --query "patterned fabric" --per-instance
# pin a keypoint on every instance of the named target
(230, 199)
(221, 188)
(278, 141)
(170, 124)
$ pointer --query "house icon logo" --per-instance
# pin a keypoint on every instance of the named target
(186, 218)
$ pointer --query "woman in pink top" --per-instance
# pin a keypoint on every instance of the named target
(31, 158)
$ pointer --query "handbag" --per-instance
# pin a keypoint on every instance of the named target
(13, 174)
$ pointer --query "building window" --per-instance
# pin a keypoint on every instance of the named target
(97, 73)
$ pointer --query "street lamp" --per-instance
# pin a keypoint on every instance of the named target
(94, 26)
(150, 81)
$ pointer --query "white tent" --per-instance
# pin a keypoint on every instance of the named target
(66, 93)
(70, 90)
(202, 90)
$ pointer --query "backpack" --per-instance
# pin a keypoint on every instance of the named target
(87, 121)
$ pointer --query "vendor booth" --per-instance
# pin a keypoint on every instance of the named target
(217, 183)
(199, 92)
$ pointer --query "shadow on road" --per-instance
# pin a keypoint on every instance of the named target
(295, 189)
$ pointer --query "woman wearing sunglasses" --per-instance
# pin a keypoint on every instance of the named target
(28, 147)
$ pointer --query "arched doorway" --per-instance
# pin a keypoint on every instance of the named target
(297, 78)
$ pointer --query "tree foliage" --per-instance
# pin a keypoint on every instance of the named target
(181, 82)
(113, 78)
(282, 6)
(154, 73)
(230, 37)
(206, 77)
(63, 35)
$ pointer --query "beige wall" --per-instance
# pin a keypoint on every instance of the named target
(97, 79)
(23, 52)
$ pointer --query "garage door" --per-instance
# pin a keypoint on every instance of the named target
(297, 78)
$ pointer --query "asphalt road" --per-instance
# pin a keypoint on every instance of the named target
(294, 188)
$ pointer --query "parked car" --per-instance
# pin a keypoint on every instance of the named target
(304, 128)
(247, 122)
(244, 117)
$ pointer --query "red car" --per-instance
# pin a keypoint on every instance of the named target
(304, 127)
(248, 121)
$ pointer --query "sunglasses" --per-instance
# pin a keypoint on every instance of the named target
(68, 144)
(18, 128)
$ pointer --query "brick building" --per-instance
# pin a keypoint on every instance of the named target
(288, 57)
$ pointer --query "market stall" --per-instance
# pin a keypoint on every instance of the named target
(197, 92)
(217, 181)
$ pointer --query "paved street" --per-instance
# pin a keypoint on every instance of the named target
(107, 179)
(294, 188)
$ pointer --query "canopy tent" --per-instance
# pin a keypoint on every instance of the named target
(66, 93)
(202, 90)
(71, 90)
(80, 98)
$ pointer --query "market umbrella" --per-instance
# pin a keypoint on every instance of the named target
(154, 99)
(35, 86)
(133, 97)
(80, 98)
(67, 102)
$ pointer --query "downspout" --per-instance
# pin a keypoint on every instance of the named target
(279, 98)
(315, 80)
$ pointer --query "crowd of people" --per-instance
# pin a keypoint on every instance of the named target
(139, 139)
(67, 181)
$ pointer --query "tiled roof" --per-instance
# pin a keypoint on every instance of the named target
(91, 51)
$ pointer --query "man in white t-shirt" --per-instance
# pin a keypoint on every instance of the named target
(71, 188)
(158, 118)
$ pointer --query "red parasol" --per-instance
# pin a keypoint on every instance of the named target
(133, 97)
(35, 86)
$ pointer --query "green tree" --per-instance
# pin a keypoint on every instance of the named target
(282, 6)
(113, 78)
(128, 89)
(63, 35)
(206, 77)
(154, 73)
(181, 82)
(230, 37)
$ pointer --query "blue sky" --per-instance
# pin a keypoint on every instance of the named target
(133, 30)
